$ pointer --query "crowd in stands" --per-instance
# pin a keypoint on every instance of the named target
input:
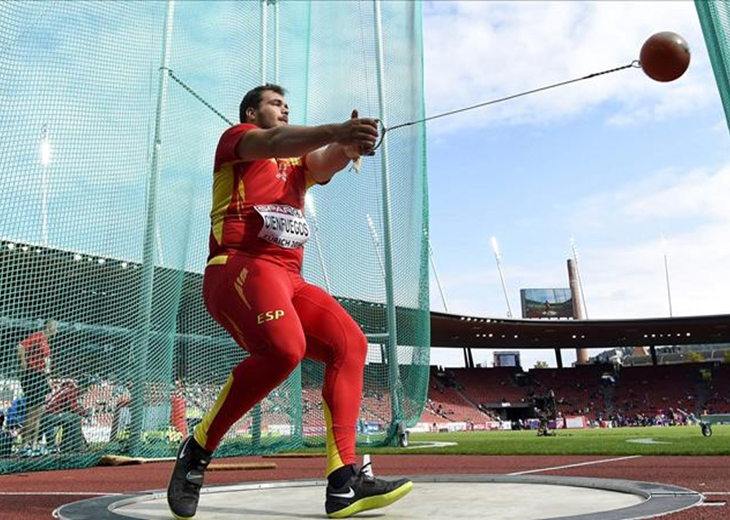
(448, 400)
(602, 393)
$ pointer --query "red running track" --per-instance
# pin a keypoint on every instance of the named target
(34, 496)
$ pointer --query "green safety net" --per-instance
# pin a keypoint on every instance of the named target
(715, 22)
(110, 113)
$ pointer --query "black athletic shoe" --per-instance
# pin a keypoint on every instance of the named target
(362, 492)
(186, 480)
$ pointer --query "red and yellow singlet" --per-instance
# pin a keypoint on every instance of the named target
(258, 206)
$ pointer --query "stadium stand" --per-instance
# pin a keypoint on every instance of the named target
(664, 394)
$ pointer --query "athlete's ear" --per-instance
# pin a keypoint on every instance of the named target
(250, 114)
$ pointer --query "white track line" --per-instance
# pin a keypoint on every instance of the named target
(55, 493)
(429, 444)
(567, 466)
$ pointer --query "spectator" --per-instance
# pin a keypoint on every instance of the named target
(65, 411)
(122, 414)
(34, 357)
(178, 419)
(16, 413)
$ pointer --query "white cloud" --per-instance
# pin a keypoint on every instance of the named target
(477, 51)
(667, 195)
(624, 272)
(695, 194)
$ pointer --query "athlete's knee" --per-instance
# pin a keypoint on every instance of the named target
(289, 354)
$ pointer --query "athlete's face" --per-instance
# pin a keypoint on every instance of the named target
(272, 111)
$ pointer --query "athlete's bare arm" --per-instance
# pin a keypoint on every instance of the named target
(296, 141)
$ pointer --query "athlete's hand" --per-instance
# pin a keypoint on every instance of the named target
(358, 135)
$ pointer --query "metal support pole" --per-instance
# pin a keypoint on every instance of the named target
(669, 290)
(297, 412)
(148, 261)
(392, 345)
(436, 276)
(264, 38)
(45, 161)
(256, 425)
(327, 283)
(256, 410)
(468, 359)
(276, 40)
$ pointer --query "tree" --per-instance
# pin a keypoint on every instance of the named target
(694, 357)
(540, 364)
(726, 356)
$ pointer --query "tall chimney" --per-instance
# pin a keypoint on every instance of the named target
(581, 354)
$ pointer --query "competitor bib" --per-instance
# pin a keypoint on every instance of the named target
(284, 225)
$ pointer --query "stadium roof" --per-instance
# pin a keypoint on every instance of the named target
(448, 330)
(105, 292)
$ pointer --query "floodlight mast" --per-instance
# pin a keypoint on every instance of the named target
(498, 259)
(436, 276)
(666, 273)
(376, 242)
(468, 358)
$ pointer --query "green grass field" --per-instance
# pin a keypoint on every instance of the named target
(676, 440)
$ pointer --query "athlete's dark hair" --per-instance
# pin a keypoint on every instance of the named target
(252, 99)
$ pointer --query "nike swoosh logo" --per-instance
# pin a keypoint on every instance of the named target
(349, 494)
(194, 476)
(184, 449)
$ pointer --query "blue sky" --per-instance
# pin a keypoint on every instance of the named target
(612, 162)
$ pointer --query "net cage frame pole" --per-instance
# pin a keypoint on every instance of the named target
(264, 38)
(276, 40)
(296, 378)
(148, 260)
(45, 163)
(257, 409)
(392, 338)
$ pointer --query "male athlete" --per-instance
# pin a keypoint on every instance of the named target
(253, 287)
(34, 357)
